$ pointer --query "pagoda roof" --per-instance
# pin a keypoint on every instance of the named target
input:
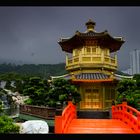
(79, 38)
(92, 77)
(113, 43)
(86, 77)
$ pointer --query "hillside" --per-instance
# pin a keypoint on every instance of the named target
(42, 70)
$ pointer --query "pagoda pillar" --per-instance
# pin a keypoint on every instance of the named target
(66, 59)
(102, 56)
(116, 59)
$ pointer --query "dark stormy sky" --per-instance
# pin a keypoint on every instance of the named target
(30, 34)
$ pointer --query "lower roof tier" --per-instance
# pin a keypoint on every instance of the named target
(92, 77)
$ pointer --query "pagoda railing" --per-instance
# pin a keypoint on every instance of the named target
(128, 115)
(94, 59)
(62, 122)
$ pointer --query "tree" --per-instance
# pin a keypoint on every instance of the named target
(1, 94)
(8, 85)
(0, 106)
(40, 92)
(19, 86)
(12, 71)
(37, 90)
(129, 89)
(136, 77)
(62, 90)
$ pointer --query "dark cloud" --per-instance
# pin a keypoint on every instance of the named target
(30, 34)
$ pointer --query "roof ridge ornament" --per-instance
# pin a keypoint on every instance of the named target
(77, 32)
(90, 25)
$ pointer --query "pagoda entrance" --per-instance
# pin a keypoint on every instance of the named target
(91, 97)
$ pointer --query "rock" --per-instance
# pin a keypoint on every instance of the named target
(19, 97)
(14, 98)
(34, 126)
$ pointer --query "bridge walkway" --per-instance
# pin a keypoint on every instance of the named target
(125, 120)
(96, 126)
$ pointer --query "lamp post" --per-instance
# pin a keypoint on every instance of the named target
(70, 97)
(124, 98)
(113, 102)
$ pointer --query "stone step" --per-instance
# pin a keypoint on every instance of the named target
(93, 114)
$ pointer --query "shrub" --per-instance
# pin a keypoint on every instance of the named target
(7, 126)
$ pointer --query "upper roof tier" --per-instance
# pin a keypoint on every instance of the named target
(103, 39)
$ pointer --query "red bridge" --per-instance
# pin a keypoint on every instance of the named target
(125, 119)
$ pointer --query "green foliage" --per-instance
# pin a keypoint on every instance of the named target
(1, 106)
(130, 90)
(8, 97)
(5, 76)
(20, 74)
(1, 94)
(8, 85)
(19, 86)
(40, 92)
(7, 126)
(51, 103)
(37, 90)
(62, 97)
(12, 71)
(125, 84)
(137, 78)
(62, 90)
(29, 101)
(31, 80)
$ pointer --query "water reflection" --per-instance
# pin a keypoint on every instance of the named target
(12, 111)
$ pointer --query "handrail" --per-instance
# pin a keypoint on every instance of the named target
(89, 55)
(128, 115)
(63, 122)
(38, 111)
(72, 59)
(68, 115)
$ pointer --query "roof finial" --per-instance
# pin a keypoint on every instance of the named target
(90, 25)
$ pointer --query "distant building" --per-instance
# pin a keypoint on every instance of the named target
(135, 61)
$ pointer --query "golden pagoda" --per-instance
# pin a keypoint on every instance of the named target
(91, 61)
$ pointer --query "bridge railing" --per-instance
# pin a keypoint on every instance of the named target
(62, 122)
(38, 111)
(128, 115)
